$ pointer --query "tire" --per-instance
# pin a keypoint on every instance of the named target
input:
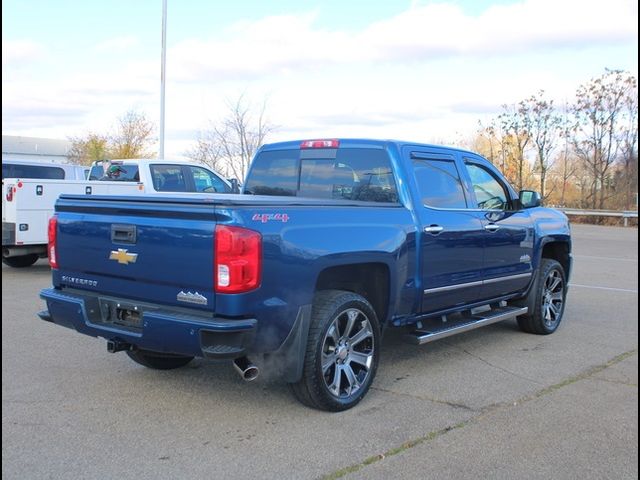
(342, 353)
(158, 361)
(546, 300)
(21, 261)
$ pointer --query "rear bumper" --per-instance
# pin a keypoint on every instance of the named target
(8, 234)
(160, 330)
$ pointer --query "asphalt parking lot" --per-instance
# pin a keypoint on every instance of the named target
(491, 403)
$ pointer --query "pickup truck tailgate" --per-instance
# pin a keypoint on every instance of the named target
(156, 249)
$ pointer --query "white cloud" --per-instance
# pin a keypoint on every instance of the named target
(117, 44)
(259, 48)
(281, 43)
(20, 52)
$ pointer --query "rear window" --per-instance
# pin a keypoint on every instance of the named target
(363, 174)
(116, 172)
(32, 171)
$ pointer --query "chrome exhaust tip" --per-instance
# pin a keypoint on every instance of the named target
(247, 370)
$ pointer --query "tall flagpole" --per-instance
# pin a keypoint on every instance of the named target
(162, 76)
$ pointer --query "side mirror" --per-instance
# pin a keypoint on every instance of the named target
(235, 186)
(529, 199)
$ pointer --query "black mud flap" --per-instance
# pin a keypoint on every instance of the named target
(287, 362)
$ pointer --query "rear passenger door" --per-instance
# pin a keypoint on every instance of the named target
(508, 230)
(451, 237)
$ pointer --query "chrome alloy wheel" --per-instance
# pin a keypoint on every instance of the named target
(552, 298)
(347, 353)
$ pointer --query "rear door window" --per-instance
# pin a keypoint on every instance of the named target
(168, 178)
(439, 183)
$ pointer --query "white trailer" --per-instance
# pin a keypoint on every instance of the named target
(27, 205)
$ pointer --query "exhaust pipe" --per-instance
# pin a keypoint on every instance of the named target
(114, 346)
(247, 370)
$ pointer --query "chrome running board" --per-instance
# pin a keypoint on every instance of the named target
(471, 322)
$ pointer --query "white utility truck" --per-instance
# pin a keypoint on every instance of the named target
(28, 203)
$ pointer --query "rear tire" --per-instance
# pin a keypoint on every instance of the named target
(343, 349)
(546, 300)
(21, 261)
(158, 361)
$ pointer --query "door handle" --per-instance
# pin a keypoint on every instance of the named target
(123, 233)
(491, 227)
(433, 229)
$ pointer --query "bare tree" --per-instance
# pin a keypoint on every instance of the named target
(567, 159)
(208, 152)
(133, 136)
(543, 125)
(85, 150)
(514, 122)
(629, 147)
(233, 141)
(598, 112)
(493, 146)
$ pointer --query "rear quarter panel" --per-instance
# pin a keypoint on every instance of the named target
(300, 242)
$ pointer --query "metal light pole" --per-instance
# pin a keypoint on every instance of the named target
(162, 76)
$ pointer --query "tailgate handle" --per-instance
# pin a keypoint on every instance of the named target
(123, 233)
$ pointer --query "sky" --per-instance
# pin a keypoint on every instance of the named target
(419, 70)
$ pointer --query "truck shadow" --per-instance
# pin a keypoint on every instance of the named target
(207, 379)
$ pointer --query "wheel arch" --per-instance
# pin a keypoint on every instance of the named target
(559, 251)
(371, 280)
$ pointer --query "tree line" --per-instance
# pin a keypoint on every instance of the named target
(583, 154)
(132, 137)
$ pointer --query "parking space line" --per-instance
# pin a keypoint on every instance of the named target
(604, 288)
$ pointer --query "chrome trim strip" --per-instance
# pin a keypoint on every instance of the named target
(509, 277)
(492, 210)
(453, 287)
(475, 284)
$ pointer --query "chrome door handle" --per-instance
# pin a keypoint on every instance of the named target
(492, 227)
(433, 229)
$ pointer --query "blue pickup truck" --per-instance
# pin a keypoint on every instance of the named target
(331, 243)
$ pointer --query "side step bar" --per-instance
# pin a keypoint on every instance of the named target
(422, 336)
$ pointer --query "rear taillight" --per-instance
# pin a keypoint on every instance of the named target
(10, 191)
(53, 238)
(333, 143)
(238, 259)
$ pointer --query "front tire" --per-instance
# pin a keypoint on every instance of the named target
(343, 349)
(158, 361)
(21, 261)
(546, 300)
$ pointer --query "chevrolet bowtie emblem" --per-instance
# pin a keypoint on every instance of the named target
(123, 256)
